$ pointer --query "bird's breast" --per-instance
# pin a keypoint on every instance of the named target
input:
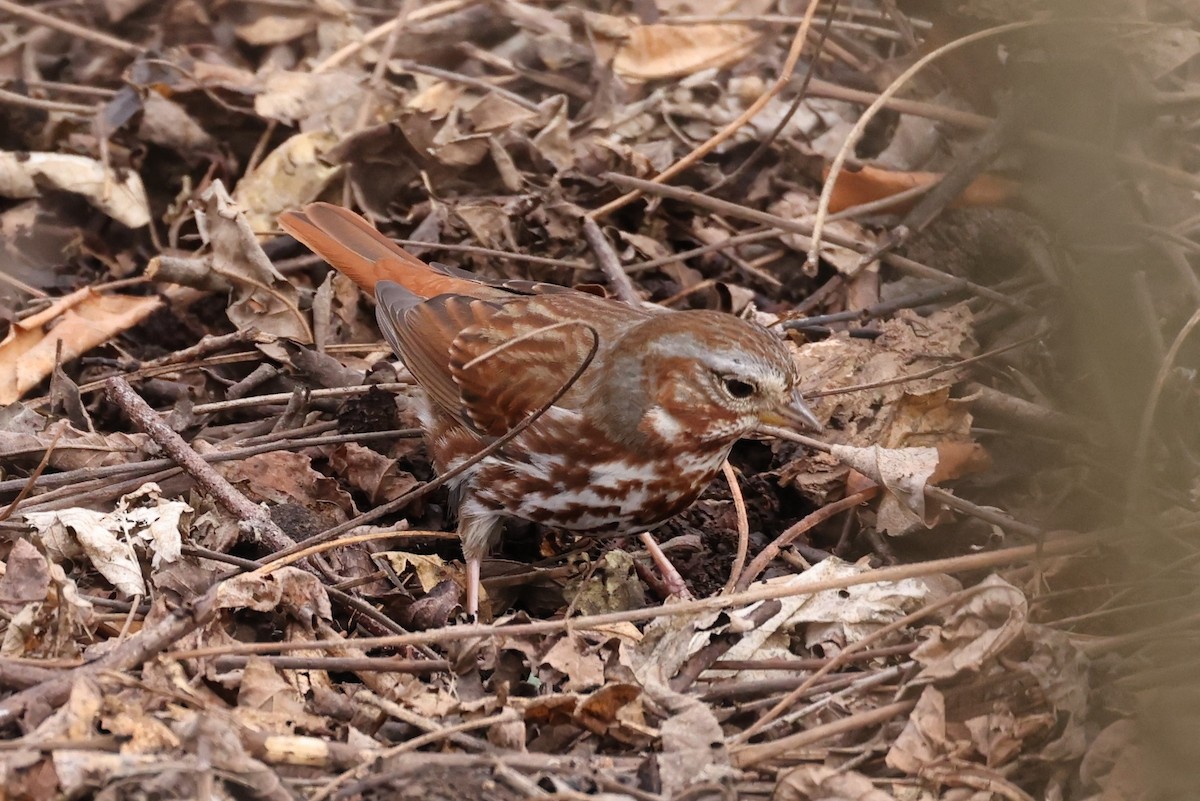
(564, 473)
(592, 488)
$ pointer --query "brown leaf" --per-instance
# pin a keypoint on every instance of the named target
(923, 741)
(820, 782)
(655, 52)
(26, 577)
(868, 184)
(80, 321)
(693, 745)
(574, 657)
(262, 297)
(290, 176)
(982, 627)
(74, 449)
(281, 477)
(120, 195)
(379, 477)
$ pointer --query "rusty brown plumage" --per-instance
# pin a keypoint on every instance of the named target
(634, 441)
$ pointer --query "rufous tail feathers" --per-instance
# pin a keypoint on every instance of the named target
(356, 249)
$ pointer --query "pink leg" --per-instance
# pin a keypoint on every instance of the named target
(473, 587)
(670, 575)
(477, 532)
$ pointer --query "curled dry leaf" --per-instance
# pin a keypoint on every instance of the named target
(923, 742)
(379, 477)
(1063, 674)
(118, 193)
(265, 26)
(693, 744)
(267, 703)
(575, 658)
(262, 297)
(289, 478)
(802, 207)
(296, 591)
(832, 619)
(903, 473)
(429, 569)
(26, 577)
(167, 124)
(601, 712)
(327, 101)
(74, 448)
(979, 629)
(80, 321)
(901, 413)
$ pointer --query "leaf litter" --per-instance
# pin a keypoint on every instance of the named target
(998, 346)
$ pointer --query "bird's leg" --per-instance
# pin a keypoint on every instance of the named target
(670, 576)
(477, 533)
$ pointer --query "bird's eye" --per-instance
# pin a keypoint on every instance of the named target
(738, 389)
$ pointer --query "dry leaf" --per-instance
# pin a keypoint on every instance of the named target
(262, 297)
(923, 741)
(429, 569)
(80, 321)
(693, 745)
(821, 782)
(381, 478)
(979, 629)
(903, 472)
(832, 619)
(70, 533)
(118, 193)
(270, 27)
(613, 586)
(74, 449)
(802, 207)
(290, 176)
(167, 124)
(142, 520)
(868, 184)
(26, 577)
(324, 103)
(575, 658)
(281, 477)
(655, 52)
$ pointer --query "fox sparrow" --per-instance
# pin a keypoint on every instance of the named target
(632, 442)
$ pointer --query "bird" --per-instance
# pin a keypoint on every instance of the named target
(642, 431)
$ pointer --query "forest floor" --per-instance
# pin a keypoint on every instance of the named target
(226, 572)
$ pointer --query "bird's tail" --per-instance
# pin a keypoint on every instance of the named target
(355, 248)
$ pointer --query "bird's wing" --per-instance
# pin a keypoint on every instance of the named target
(492, 362)
(451, 327)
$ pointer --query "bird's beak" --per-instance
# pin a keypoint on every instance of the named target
(793, 414)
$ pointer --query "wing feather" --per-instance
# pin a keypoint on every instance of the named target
(450, 327)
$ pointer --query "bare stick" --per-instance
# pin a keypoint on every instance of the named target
(71, 28)
(252, 517)
(743, 527)
(806, 524)
(803, 232)
(609, 263)
(457, 633)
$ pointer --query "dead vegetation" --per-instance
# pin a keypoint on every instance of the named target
(225, 572)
